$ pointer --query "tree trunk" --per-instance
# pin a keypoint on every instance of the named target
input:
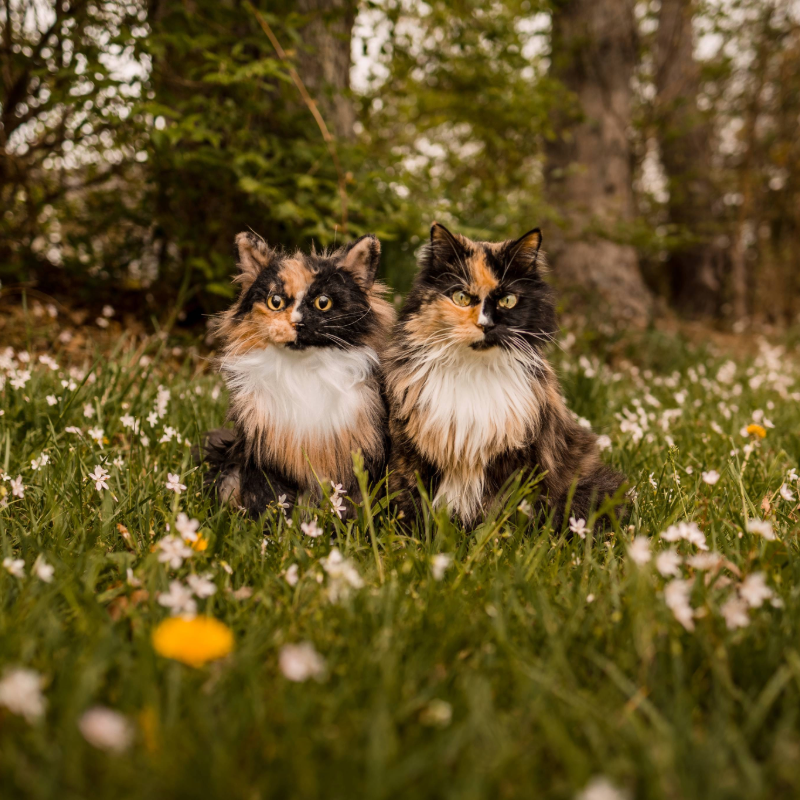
(589, 164)
(686, 142)
(324, 61)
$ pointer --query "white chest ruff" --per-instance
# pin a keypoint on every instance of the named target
(472, 406)
(305, 397)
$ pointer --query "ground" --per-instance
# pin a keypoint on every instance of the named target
(511, 661)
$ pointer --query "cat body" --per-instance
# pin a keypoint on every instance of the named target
(301, 353)
(472, 400)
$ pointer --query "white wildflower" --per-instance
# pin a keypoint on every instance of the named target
(17, 487)
(525, 508)
(734, 611)
(179, 600)
(676, 596)
(99, 476)
(311, 529)
(668, 563)
(88, 410)
(96, 434)
(299, 662)
(43, 571)
(639, 550)
(15, 567)
(51, 400)
(761, 527)
(601, 788)
(106, 729)
(38, 463)
(604, 442)
(787, 494)
(687, 531)
(578, 527)
(711, 477)
(73, 429)
(439, 564)
(173, 551)
(174, 483)
(705, 561)
(187, 528)
(754, 590)
(202, 585)
(342, 573)
(653, 481)
(108, 311)
(291, 575)
(21, 693)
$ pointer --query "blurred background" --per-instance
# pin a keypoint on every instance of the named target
(655, 143)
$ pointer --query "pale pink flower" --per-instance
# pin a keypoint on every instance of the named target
(174, 483)
(106, 729)
(639, 550)
(99, 476)
(299, 662)
(668, 563)
(676, 596)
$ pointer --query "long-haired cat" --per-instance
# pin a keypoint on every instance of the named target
(472, 399)
(300, 357)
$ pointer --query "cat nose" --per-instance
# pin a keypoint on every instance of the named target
(485, 322)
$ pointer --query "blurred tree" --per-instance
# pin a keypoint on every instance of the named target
(589, 172)
(687, 142)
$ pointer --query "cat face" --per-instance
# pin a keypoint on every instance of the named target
(480, 295)
(302, 301)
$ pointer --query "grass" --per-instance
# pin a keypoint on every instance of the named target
(537, 664)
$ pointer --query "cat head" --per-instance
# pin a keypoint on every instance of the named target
(301, 300)
(480, 295)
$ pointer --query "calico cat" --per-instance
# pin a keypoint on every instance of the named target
(472, 399)
(300, 357)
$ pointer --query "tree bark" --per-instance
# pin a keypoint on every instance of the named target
(589, 176)
(686, 142)
(324, 61)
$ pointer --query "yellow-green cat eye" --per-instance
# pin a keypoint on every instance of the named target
(275, 302)
(461, 298)
(508, 301)
(323, 303)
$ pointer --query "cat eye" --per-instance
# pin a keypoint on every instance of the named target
(323, 303)
(508, 301)
(276, 302)
(461, 298)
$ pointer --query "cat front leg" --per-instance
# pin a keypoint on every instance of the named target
(258, 487)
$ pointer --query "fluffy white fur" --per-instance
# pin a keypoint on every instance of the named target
(316, 392)
(473, 404)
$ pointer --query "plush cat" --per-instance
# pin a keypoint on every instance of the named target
(472, 399)
(300, 357)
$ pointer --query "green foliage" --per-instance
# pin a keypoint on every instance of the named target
(536, 663)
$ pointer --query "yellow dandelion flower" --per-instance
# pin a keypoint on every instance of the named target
(200, 544)
(756, 430)
(193, 641)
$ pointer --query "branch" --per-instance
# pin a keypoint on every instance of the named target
(330, 141)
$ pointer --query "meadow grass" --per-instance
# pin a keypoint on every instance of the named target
(535, 663)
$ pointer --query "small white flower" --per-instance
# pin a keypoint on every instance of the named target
(173, 551)
(439, 565)
(601, 788)
(168, 434)
(106, 729)
(132, 579)
(179, 600)
(338, 505)
(174, 483)
(291, 576)
(43, 571)
(342, 573)
(604, 442)
(338, 488)
(73, 429)
(38, 463)
(201, 585)
(88, 410)
(186, 527)
(282, 504)
(17, 487)
(705, 561)
(639, 550)
(525, 508)
(734, 611)
(311, 529)
(793, 477)
(21, 693)
(299, 662)
(96, 434)
(689, 531)
(15, 567)
(145, 440)
(754, 590)
(51, 399)
(653, 481)
(787, 494)
(668, 563)
(578, 526)
(99, 476)
(711, 477)
(761, 527)
(108, 311)
(152, 419)
(676, 596)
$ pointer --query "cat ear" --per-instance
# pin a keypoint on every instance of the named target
(525, 250)
(253, 254)
(361, 259)
(445, 247)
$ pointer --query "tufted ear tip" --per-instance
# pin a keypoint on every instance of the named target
(253, 254)
(361, 259)
(526, 248)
